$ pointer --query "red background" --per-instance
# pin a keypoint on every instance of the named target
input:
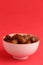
(24, 16)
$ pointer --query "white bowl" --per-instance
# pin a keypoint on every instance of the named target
(20, 51)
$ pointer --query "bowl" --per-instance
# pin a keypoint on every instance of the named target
(20, 51)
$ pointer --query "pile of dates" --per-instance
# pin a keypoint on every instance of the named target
(21, 39)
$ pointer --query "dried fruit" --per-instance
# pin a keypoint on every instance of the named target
(14, 41)
(34, 39)
(21, 39)
(7, 38)
(27, 37)
(28, 41)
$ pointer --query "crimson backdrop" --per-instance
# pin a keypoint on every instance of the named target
(21, 16)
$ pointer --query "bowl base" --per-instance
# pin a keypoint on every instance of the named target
(23, 58)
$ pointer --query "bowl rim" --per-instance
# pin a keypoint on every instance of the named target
(19, 44)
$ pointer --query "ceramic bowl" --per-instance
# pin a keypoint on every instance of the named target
(20, 51)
